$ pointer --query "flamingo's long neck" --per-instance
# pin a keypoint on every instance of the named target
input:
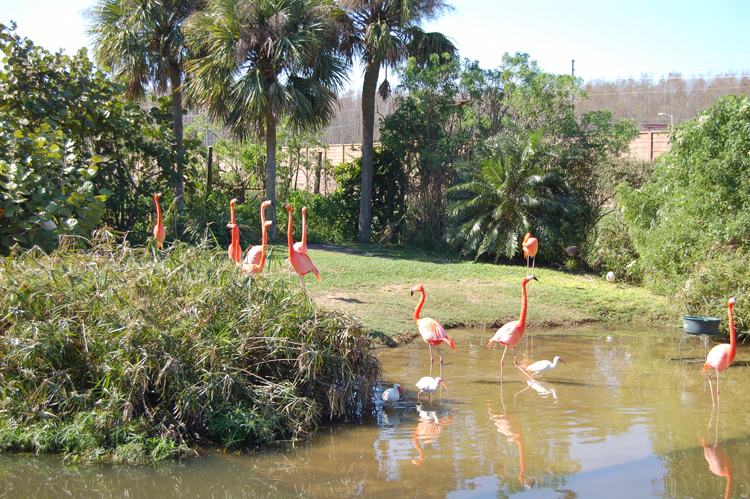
(262, 216)
(158, 212)
(419, 308)
(732, 335)
(304, 230)
(522, 319)
(289, 235)
(231, 208)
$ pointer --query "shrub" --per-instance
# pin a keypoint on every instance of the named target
(120, 354)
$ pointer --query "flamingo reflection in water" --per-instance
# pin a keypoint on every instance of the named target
(428, 429)
(510, 425)
(718, 460)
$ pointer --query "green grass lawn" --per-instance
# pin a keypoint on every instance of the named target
(373, 284)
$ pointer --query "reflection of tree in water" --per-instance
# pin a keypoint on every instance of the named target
(428, 429)
(612, 363)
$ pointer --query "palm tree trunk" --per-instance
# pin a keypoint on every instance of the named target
(364, 229)
(271, 171)
(179, 188)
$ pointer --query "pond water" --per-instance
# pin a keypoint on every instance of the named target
(623, 418)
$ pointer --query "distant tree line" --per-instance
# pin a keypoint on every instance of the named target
(642, 99)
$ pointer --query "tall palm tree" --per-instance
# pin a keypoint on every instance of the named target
(504, 195)
(385, 33)
(261, 59)
(142, 40)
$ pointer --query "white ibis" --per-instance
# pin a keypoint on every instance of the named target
(391, 395)
(610, 277)
(543, 366)
(429, 385)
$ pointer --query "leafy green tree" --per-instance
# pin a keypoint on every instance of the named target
(385, 33)
(142, 41)
(505, 194)
(690, 222)
(698, 198)
(426, 135)
(46, 189)
(263, 59)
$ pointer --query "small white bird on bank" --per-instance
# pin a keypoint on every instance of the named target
(611, 277)
(543, 366)
(429, 385)
(391, 395)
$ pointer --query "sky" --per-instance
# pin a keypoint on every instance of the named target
(607, 39)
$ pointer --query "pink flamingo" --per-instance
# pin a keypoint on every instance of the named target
(530, 246)
(300, 261)
(431, 330)
(301, 246)
(721, 356)
(511, 333)
(255, 257)
(234, 251)
(160, 232)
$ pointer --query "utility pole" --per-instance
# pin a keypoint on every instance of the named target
(573, 74)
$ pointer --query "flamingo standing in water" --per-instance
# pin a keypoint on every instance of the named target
(234, 251)
(511, 333)
(721, 356)
(301, 247)
(300, 261)
(160, 232)
(530, 245)
(255, 257)
(431, 330)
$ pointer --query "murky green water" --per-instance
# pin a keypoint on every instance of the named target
(622, 419)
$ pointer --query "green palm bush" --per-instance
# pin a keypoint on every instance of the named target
(505, 194)
(132, 355)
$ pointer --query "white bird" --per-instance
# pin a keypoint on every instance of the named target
(48, 225)
(543, 366)
(429, 385)
(610, 276)
(391, 395)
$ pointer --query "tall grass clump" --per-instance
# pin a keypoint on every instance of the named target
(130, 355)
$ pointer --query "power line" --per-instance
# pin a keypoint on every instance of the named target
(741, 75)
(669, 58)
(667, 91)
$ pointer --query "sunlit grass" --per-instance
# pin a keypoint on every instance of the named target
(374, 283)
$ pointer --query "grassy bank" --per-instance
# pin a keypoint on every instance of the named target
(134, 355)
(373, 284)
